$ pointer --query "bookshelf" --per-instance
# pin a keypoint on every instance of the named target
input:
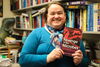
(90, 32)
(23, 29)
(35, 6)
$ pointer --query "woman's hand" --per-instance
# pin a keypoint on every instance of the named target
(55, 54)
(77, 56)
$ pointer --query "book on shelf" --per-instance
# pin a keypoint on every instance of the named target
(98, 26)
(90, 18)
(95, 16)
(75, 18)
(82, 2)
(70, 21)
(20, 4)
(43, 21)
(71, 40)
(17, 22)
(85, 18)
(84, 22)
(22, 21)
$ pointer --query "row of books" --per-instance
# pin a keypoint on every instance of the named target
(26, 21)
(87, 19)
(93, 20)
(22, 21)
(19, 4)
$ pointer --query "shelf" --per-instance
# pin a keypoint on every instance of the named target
(95, 1)
(93, 36)
(87, 32)
(77, 3)
(23, 29)
(90, 32)
(10, 46)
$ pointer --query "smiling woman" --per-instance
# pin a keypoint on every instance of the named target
(1, 8)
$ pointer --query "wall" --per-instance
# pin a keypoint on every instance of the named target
(6, 11)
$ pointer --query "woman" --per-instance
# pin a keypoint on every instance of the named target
(38, 50)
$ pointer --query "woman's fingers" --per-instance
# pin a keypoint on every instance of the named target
(55, 54)
(77, 56)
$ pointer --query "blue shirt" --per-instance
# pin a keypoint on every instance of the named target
(36, 48)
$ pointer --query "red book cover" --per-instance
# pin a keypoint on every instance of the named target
(71, 40)
(43, 21)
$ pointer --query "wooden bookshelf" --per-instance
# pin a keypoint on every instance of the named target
(67, 2)
(87, 32)
(95, 1)
(91, 32)
(10, 46)
(23, 29)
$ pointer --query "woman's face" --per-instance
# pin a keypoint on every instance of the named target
(56, 17)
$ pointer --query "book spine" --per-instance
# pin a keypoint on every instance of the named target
(95, 16)
(98, 17)
(84, 20)
(90, 18)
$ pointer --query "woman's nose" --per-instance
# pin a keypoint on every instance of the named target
(56, 16)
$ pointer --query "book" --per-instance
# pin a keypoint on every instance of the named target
(71, 40)
(90, 20)
(85, 24)
(95, 16)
